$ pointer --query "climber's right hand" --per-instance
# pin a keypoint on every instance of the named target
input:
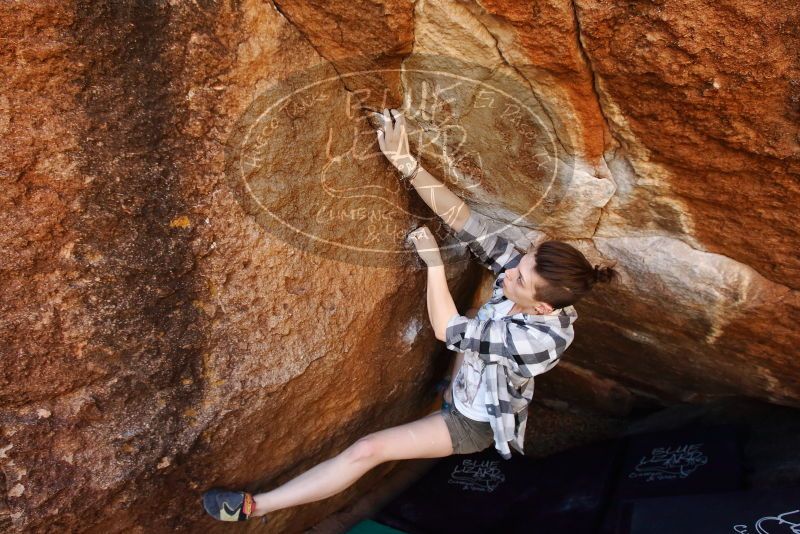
(423, 241)
(393, 141)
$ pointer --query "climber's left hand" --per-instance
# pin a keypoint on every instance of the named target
(426, 246)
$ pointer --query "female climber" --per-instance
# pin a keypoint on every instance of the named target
(519, 333)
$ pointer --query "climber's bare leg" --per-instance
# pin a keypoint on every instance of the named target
(424, 438)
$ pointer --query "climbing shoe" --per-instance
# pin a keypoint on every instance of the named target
(227, 505)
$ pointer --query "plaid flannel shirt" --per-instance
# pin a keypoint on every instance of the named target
(506, 352)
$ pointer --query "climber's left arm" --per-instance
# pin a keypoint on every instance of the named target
(492, 250)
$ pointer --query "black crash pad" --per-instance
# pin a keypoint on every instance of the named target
(681, 462)
(462, 493)
(575, 494)
(484, 493)
(684, 461)
(773, 511)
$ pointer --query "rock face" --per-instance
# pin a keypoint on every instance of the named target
(203, 281)
(156, 339)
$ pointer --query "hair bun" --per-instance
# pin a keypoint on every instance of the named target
(603, 274)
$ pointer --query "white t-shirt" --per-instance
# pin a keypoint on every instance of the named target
(477, 411)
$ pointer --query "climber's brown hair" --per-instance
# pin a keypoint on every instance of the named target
(569, 274)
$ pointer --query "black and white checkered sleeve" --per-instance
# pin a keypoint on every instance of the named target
(459, 333)
(525, 349)
(494, 251)
(534, 348)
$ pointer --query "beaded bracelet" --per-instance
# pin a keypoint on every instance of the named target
(410, 176)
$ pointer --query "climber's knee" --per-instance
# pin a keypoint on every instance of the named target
(366, 450)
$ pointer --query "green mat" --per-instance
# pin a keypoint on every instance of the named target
(372, 527)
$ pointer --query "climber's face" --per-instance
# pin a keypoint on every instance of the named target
(520, 283)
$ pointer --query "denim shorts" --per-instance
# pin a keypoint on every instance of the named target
(467, 435)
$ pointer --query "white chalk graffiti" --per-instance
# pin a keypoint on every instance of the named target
(773, 524)
(476, 475)
(667, 463)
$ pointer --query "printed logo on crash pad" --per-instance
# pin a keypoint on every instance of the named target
(477, 475)
(667, 463)
(785, 523)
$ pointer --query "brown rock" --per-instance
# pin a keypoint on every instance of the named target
(173, 341)
(365, 42)
(705, 100)
(585, 390)
(541, 41)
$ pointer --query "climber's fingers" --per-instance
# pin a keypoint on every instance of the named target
(382, 140)
(387, 120)
(400, 121)
(401, 127)
(420, 235)
(426, 246)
